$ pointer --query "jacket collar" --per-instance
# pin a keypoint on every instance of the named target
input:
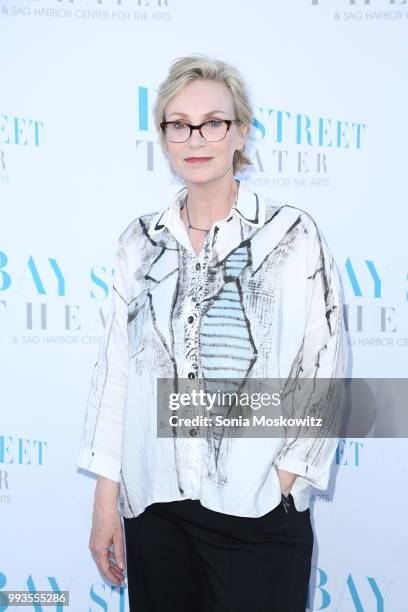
(249, 206)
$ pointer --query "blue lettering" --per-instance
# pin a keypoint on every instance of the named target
(5, 277)
(59, 275)
(97, 599)
(99, 283)
(324, 593)
(143, 108)
(259, 126)
(377, 280)
(36, 277)
(353, 278)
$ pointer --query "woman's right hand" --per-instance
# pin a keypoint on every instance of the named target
(106, 541)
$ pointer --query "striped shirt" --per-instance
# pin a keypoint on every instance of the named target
(260, 301)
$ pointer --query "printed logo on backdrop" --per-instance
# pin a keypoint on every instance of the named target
(364, 593)
(124, 11)
(21, 132)
(108, 598)
(364, 10)
(288, 148)
(18, 452)
(45, 301)
(349, 453)
(371, 318)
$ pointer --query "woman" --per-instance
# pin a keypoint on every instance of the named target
(222, 283)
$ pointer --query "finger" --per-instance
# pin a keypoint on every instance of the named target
(117, 578)
(114, 563)
(108, 570)
(118, 575)
(112, 576)
(114, 567)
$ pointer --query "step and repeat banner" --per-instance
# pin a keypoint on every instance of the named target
(79, 159)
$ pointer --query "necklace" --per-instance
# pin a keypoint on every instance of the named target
(189, 227)
(188, 217)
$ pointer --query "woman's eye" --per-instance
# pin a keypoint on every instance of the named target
(214, 122)
(179, 125)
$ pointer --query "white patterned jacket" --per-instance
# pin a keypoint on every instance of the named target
(261, 300)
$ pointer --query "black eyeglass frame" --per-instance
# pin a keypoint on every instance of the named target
(163, 125)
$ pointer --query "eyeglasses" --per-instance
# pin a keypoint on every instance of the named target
(213, 130)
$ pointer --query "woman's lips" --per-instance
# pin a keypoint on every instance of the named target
(197, 160)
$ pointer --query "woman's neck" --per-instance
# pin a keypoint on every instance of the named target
(208, 203)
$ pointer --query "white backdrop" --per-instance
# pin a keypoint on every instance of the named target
(79, 159)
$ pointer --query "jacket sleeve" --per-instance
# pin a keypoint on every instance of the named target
(315, 387)
(100, 446)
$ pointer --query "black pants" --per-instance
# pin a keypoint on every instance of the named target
(183, 557)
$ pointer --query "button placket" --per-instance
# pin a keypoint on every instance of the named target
(195, 295)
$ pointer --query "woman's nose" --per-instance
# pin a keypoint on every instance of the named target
(196, 137)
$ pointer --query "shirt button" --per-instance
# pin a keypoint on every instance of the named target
(190, 319)
(193, 432)
(191, 375)
(198, 266)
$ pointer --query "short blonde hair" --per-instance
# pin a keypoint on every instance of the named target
(202, 67)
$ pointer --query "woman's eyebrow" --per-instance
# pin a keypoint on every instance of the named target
(206, 114)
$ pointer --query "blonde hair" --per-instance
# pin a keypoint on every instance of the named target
(202, 67)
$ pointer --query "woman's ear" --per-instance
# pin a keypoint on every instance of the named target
(244, 129)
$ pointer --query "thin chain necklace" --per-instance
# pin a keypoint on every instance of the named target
(188, 217)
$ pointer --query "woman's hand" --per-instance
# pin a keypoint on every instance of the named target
(107, 532)
(286, 480)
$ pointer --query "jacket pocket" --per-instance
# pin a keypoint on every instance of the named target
(136, 316)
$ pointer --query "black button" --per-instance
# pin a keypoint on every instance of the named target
(190, 319)
(191, 375)
(193, 299)
(198, 266)
(193, 432)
